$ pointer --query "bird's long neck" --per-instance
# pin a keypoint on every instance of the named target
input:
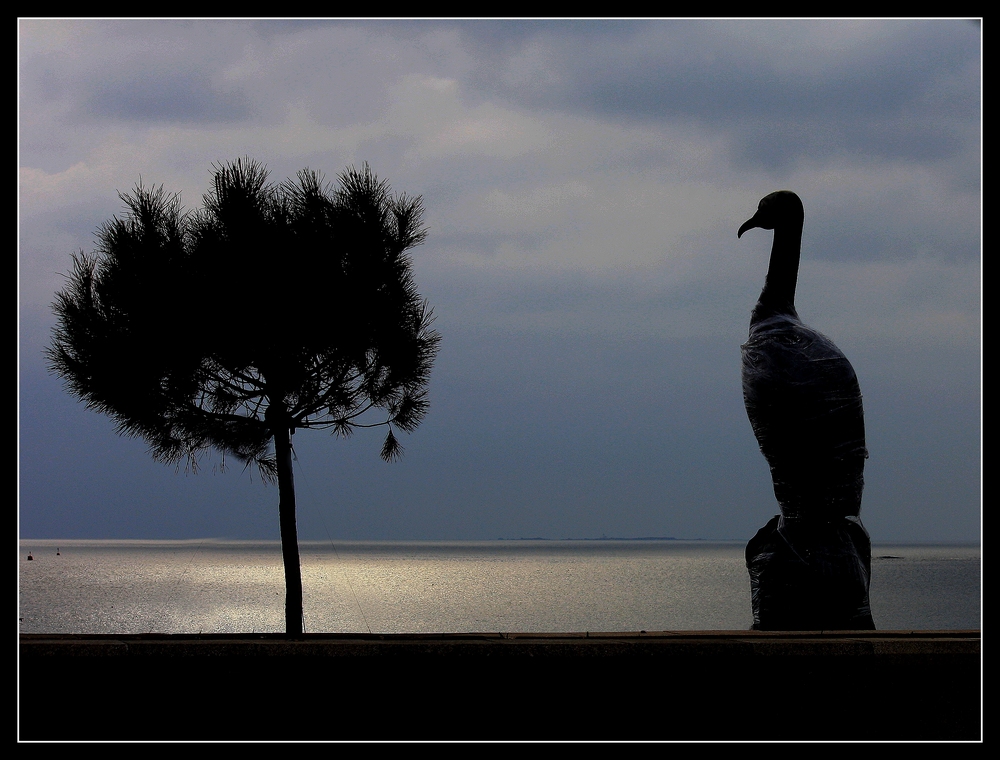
(778, 294)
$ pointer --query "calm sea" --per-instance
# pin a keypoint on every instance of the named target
(433, 587)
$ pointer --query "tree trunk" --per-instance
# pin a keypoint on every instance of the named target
(289, 534)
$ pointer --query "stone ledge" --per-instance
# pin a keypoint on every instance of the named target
(588, 644)
(646, 686)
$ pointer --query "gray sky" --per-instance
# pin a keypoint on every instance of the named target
(584, 181)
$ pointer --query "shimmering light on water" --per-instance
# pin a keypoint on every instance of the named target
(218, 587)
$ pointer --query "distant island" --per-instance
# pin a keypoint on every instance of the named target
(604, 538)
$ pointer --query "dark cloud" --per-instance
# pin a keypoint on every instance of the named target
(154, 96)
(861, 97)
(134, 71)
(894, 225)
(780, 146)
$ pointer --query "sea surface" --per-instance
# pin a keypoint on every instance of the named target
(436, 587)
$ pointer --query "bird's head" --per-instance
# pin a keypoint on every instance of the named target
(775, 210)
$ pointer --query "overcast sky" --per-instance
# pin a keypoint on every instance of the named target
(583, 184)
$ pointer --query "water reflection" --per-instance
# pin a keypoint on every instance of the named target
(236, 587)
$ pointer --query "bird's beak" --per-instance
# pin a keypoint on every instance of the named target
(749, 224)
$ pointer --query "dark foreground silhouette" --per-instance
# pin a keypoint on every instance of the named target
(668, 685)
(810, 566)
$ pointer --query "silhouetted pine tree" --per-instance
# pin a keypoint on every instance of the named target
(272, 308)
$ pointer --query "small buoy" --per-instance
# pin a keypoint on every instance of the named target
(57, 551)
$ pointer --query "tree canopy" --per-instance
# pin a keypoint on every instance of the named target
(186, 328)
(273, 307)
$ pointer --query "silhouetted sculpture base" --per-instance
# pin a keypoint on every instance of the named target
(810, 575)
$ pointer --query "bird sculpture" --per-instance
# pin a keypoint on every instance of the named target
(809, 566)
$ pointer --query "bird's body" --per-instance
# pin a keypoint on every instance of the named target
(809, 567)
(801, 392)
(804, 404)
